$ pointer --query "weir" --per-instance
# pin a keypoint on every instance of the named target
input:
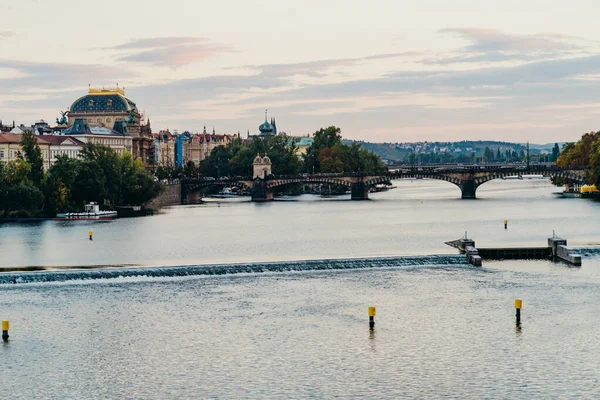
(557, 249)
(224, 269)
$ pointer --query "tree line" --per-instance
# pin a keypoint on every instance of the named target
(100, 175)
(327, 154)
(584, 152)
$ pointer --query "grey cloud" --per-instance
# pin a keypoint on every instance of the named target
(59, 75)
(487, 45)
(156, 42)
(170, 51)
(318, 68)
(492, 40)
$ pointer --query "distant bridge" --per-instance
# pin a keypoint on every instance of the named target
(467, 177)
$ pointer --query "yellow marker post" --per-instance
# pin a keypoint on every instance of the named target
(505, 224)
(91, 234)
(372, 313)
(518, 305)
(5, 329)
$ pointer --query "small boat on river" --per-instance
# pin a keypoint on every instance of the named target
(92, 210)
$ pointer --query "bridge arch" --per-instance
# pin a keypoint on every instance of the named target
(384, 178)
(191, 187)
(318, 180)
(574, 176)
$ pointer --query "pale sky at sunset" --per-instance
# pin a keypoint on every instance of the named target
(381, 70)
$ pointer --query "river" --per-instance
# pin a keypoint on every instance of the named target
(443, 328)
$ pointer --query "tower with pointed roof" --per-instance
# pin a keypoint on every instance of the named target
(274, 125)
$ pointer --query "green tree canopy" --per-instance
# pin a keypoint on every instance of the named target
(33, 155)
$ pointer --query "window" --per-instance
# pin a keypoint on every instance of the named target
(108, 119)
(91, 103)
(1, 153)
(99, 120)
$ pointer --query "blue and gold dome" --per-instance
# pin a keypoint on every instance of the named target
(103, 100)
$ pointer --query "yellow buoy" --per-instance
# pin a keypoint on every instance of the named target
(372, 311)
(518, 304)
(5, 325)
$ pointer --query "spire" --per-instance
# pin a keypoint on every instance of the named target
(204, 132)
(213, 130)
(265, 115)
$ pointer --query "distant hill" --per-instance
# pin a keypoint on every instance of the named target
(450, 150)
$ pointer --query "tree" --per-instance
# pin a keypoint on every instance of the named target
(89, 184)
(109, 161)
(16, 190)
(137, 186)
(59, 182)
(33, 155)
(329, 154)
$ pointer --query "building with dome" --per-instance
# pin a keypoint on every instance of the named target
(266, 128)
(107, 108)
(261, 167)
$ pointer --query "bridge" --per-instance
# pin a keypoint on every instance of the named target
(467, 177)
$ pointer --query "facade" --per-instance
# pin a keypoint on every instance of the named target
(261, 167)
(301, 142)
(165, 149)
(117, 138)
(104, 108)
(199, 146)
(10, 147)
(63, 145)
(176, 150)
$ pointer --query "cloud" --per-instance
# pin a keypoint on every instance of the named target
(483, 40)
(373, 97)
(169, 51)
(60, 75)
(489, 45)
(6, 34)
(319, 68)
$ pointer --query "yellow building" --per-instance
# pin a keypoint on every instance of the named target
(10, 147)
(198, 147)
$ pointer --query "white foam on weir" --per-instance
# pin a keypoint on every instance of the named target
(231, 269)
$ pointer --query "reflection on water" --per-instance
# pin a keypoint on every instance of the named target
(443, 331)
(416, 218)
(440, 332)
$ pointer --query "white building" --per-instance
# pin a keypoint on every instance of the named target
(63, 145)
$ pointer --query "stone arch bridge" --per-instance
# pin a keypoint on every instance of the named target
(467, 178)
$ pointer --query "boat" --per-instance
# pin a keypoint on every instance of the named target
(91, 210)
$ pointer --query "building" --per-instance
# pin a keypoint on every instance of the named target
(63, 145)
(104, 108)
(261, 167)
(198, 147)
(10, 148)
(117, 138)
(301, 142)
(266, 128)
(164, 149)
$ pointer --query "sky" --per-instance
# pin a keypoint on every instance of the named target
(382, 71)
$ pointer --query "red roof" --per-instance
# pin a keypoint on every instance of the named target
(16, 138)
(59, 139)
